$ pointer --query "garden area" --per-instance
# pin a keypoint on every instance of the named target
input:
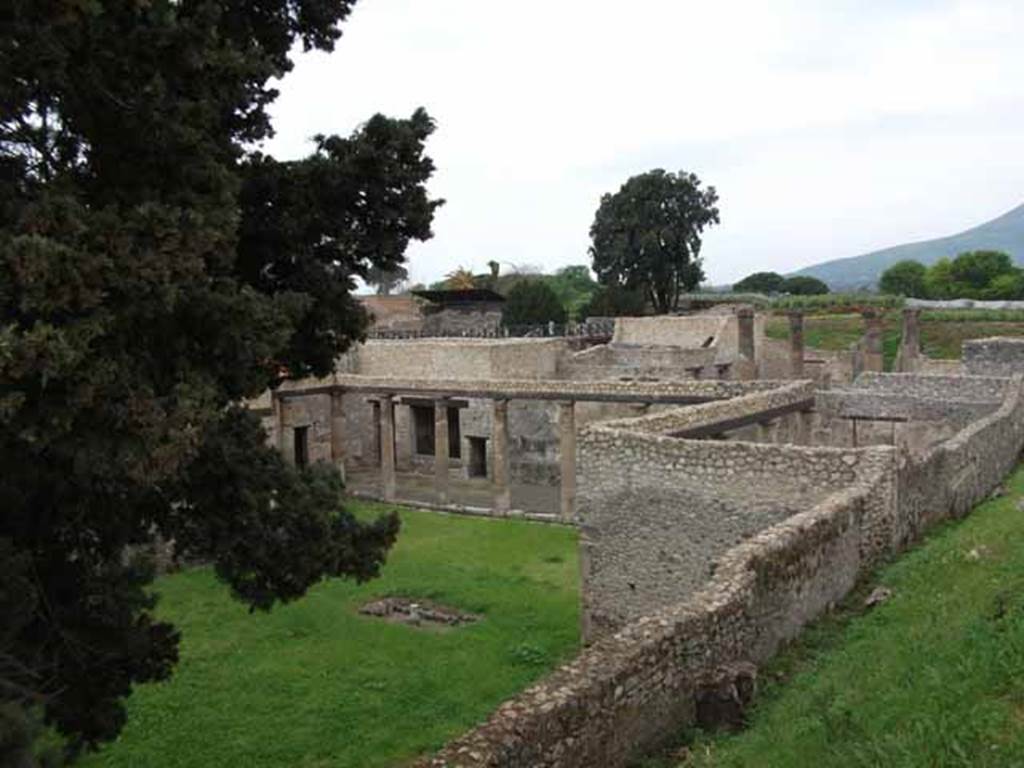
(942, 331)
(316, 683)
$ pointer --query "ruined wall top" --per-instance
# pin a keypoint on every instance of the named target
(691, 331)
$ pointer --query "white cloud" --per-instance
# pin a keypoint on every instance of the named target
(828, 129)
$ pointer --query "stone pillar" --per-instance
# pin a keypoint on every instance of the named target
(567, 444)
(910, 342)
(441, 450)
(745, 318)
(375, 441)
(805, 428)
(285, 434)
(796, 344)
(278, 408)
(872, 340)
(338, 432)
(499, 440)
(387, 447)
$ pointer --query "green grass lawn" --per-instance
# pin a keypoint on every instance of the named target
(932, 677)
(940, 338)
(316, 684)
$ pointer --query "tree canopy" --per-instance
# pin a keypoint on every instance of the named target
(647, 236)
(802, 285)
(760, 282)
(613, 301)
(904, 278)
(574, 287)
(970, 275)
(155, 270)
(532, 302)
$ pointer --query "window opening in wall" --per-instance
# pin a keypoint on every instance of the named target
(478, 457)
(423, 429)
(301, 446)
(454, 434)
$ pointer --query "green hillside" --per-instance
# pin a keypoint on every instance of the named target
(1005, 233)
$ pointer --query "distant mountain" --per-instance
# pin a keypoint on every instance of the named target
(1003, 234)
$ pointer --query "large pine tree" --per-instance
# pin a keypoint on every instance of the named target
(154, 271)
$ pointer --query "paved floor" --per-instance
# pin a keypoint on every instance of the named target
(475, 493)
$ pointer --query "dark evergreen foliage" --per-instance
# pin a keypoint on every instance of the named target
(647, 236)
(760, 282)
(904, 278)
(154, 271)
(613, 301)
(532, 302)
(804, 286)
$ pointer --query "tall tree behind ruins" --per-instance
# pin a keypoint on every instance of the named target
(647, 236)
(155, 271)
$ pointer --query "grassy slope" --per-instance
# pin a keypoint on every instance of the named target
(940, 339)
(933, 677)
(315, 684)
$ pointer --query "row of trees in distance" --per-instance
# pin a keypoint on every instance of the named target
(772, 283)
(971, 275)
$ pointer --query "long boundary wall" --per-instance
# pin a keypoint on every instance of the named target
(625, 693)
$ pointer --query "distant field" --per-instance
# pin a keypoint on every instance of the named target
(315, 684)
(941, 332)
(934, 677)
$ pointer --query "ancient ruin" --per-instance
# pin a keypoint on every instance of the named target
(728, 489)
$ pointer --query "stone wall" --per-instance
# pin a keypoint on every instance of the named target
(657, 512)
(839, 403)
(690, 331)
(975, 388)
(424, 359)
(627, 361)
(782, 395)
(998, 356)
(471, 319)
(631, 690)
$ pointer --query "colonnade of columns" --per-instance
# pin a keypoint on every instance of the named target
(871, 345)
(500, 455)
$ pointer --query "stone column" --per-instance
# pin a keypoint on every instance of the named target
(805, 428)
(910, 341)
(567, 444)
(796, 344)
(278, 408)
(285, 434)
(441, 450)
(745, 318)
(375, 441)
(338, 432)
(387, 447)
(499, 447)
(872, 340)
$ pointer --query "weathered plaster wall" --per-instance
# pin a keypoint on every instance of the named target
(426, 359)
(627, 361)
(691, 331)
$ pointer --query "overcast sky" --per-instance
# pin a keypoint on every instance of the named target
(829, 128)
